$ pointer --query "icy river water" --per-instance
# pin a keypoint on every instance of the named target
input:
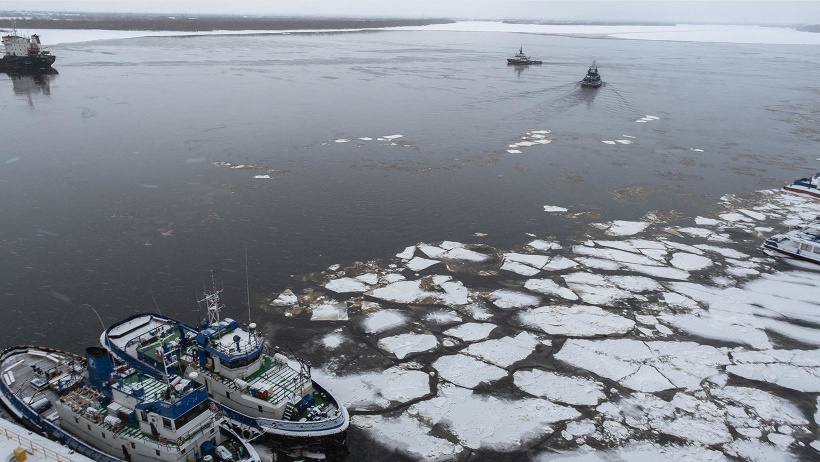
(487, 262)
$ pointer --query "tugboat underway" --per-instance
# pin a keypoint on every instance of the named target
(800, 242)
(25, 54)
(520, 58)
(593, 78)
(257, 390)
(115, 414)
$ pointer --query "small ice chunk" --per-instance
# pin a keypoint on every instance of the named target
(576, 321)
(560, 388)
(549, 287)
(608, 142)
(406, 344)
(703, 221)
(471, 331)
(505, 351)
(381, 321)
(369, 278)
(508, 299)
(329, 311)
(626, 228)
(286, 298)
(519, 268)
(624, 141)
(407, 435)
(333, 340)
(407, 253)
(514, 151)
(690, 262)
(261, 177)
(418, 263)
(392, 137)
(560, 263)
(346, 285)
(466, 371)
(544, 245)
(366, 138)
(696, 150)
(442, 317)
(554, 208)
(342, 140)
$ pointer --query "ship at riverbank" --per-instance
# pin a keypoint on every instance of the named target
(113, 414)
(24, 54)
(262, 393)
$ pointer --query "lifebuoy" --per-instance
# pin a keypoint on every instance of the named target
(181, 441)
(162, 440)
(213, 406)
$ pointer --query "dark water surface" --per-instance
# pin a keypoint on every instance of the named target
(99, 161)
(109, 195)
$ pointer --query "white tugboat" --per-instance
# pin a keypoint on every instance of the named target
(25, 54)
(521, 59)
(264, 393)
(800, 242)
(112, 415)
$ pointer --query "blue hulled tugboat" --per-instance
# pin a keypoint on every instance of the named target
(25, 54)
(593, 78)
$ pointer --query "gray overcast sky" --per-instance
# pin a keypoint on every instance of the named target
(753, 12)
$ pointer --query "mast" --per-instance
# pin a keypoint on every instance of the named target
(212, 303)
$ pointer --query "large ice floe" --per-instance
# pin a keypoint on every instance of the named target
(637, 340)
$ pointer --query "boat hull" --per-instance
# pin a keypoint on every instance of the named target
(591, 84)
(813, 192)
(789, 253)
(522, 62)
(26, 63)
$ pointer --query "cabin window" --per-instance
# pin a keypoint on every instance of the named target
(183, 450)
(804, 246)
(260, 408)
(103, 434)
(166, 422)
(157, 451)
(144, 416)
(76, 419)
(133, 446)
(228, 394)
(89, 427)
(241, 362)
(816, 249)
(190, 414)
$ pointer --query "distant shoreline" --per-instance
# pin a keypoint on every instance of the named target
(198, 23)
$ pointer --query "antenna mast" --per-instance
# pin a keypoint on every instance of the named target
(247, 284)
(212, 303)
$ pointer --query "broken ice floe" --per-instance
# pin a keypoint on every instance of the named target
(384, 320)
(645, 366)
(503, 352)
(408, 436)
(513, 151)
(333, 340)
(647, 118)
(403, 345)
(286, 298)
(452, 251)
(466, 371)
(575, 321)
(472, 331)
(486, 421)
(375, 390)
(559, 388)
(623, 228)
(346, 285)
(532, 138)
(554, 208)
(509, 299)
(539, 244)
(329, 311)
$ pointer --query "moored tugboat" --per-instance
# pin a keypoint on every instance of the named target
(800, 242)
(264, 393)
(25, 54)
(115, 414)
(806, 186)
(593, 78)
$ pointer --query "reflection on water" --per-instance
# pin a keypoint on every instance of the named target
(29, 84)
(519, 68)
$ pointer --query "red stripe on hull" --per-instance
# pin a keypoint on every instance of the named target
(803, 191)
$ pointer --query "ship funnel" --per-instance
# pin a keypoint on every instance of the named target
(99, 366)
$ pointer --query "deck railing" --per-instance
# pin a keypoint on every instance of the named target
(31, 446)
